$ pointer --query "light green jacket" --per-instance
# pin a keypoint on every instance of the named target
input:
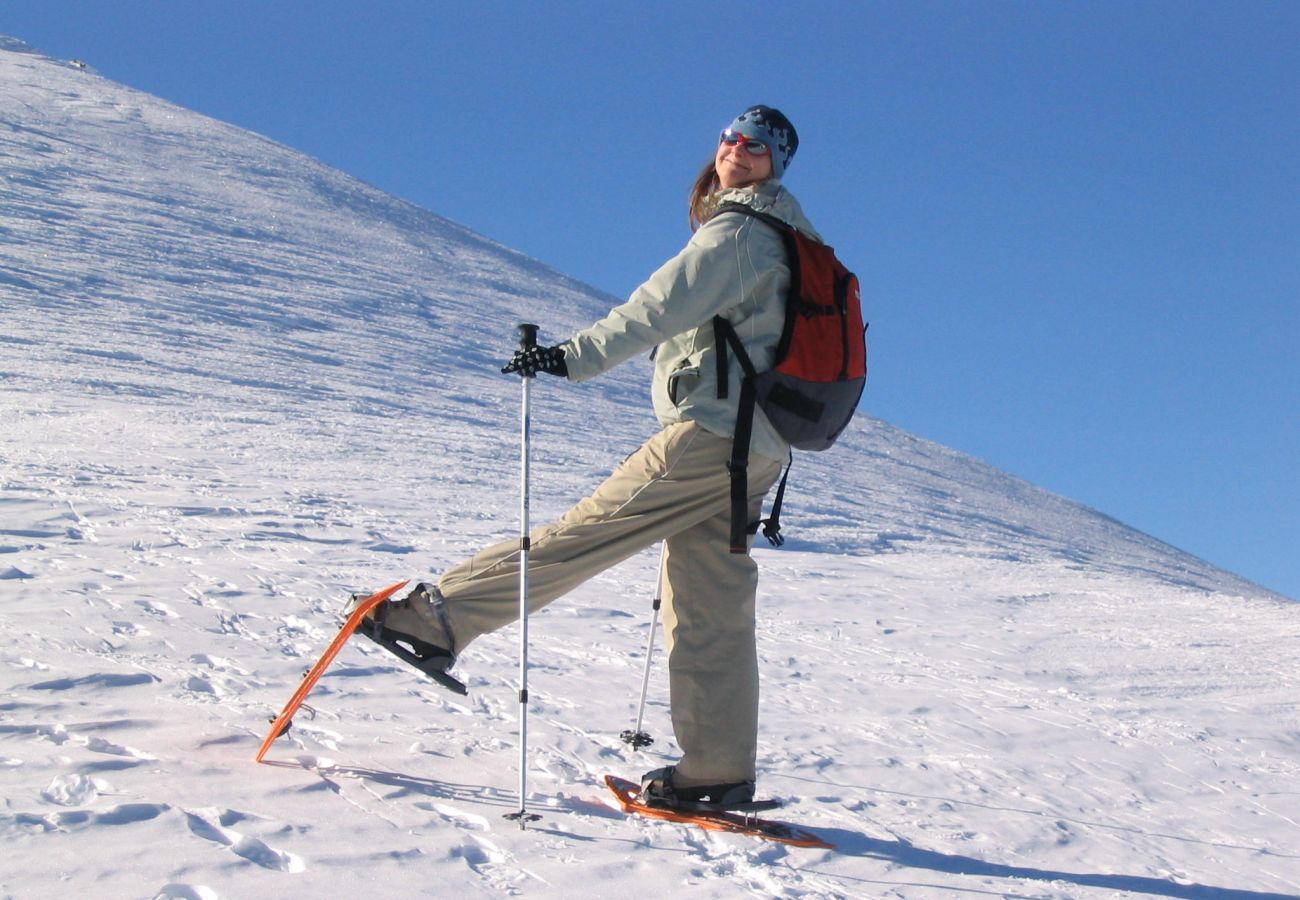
(733, 266)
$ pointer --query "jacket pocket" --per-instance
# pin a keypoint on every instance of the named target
(682, 381)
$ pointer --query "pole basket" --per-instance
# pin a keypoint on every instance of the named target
(636, 739)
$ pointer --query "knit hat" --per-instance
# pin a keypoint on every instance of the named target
(763, 123)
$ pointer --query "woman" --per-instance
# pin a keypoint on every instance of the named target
(675, 488)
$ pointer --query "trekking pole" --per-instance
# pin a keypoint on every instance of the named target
(527, 339)
(636, 737)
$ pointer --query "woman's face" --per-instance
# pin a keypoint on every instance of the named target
(737, 167)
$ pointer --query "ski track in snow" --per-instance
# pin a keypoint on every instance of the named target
(239, 386)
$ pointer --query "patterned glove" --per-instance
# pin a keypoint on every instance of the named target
(527, 363)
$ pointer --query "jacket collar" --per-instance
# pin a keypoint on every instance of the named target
(766, 197)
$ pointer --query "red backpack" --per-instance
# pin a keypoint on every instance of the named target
(812, 391)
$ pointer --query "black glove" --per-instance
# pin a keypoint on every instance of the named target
(529, 362)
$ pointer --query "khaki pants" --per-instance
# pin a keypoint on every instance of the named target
(675, 488)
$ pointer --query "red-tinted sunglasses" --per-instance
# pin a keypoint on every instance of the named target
(750, 145)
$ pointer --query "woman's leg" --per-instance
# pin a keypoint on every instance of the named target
(677, 479)
(712, 660)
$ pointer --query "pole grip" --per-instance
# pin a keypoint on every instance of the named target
(527, 335)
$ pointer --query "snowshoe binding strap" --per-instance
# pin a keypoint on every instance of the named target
(432, 660)
(658, 790)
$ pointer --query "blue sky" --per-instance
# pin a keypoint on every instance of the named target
(1077, 224)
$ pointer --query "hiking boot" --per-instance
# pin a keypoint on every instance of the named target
(404, 628)
(657, 789)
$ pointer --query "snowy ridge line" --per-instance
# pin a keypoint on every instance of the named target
(238, 386)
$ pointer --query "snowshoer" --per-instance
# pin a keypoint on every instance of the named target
(676, 488)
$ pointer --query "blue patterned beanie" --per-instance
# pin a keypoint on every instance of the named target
(763, 123)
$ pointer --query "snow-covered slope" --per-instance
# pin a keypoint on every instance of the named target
(238, 385)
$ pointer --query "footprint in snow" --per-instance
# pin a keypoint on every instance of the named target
(77, 819)
(217, 663)
(216, 683)
(454, 816)
(99, 745)
(186, 892)
(157, 610)
(479, 854)
(74, 790)
(98, 679)
(212, 825)
(199, 684)
(56, 734)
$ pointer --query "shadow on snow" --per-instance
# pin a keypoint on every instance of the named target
(852, 843)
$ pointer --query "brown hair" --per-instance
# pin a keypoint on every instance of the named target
(706, 184)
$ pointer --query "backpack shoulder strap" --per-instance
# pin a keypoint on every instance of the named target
(779, 224)
(725, 339)
(790, 237)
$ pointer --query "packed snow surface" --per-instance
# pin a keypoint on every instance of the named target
(239, 385)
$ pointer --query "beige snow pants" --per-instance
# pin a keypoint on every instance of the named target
(675, 488)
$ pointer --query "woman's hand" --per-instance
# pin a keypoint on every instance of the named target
(527, 362)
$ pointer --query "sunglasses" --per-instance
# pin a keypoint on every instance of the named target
(748, 144)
